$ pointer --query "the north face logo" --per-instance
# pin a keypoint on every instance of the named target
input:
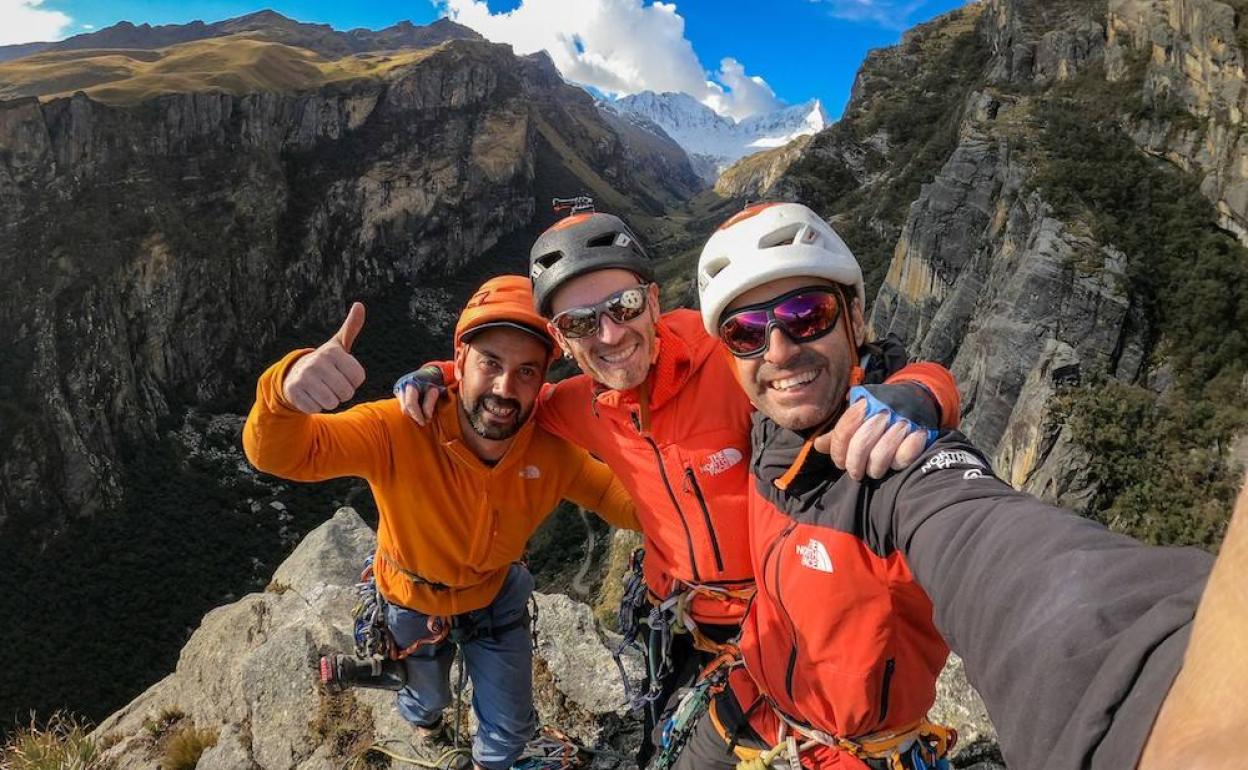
(721, 461)
(530, 472)
(815, 556)
(952, 458)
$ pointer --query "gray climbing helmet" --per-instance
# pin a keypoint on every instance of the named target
(580, 244)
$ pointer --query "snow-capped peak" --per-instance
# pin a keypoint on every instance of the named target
(703, 132)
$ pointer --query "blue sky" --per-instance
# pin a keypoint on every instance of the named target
(800, 49)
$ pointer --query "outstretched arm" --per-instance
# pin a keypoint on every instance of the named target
(1205, 716)
(1071, 633)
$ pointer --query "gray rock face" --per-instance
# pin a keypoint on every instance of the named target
(986, 280)
(248, 671)
(1192, 55)
(1040, 41)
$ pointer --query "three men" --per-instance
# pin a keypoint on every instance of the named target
(1072, 634)
(658, 404)
(458, 499)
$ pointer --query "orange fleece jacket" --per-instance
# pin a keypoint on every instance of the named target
(445, 515)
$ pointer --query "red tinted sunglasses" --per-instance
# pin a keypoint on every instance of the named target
(804, 315)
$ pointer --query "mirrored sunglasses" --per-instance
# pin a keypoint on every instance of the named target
(803, 315)
(621, 307)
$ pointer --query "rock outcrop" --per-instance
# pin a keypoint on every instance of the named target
(248, 673)
(985, 279)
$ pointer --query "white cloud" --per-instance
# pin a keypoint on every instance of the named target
(747, 95)
(619, 47)
(890, 14)
(24, 22)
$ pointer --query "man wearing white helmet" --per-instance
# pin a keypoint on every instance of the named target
(1072, 634)
(658, 404)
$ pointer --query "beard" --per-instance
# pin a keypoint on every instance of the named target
(814, 405)
(486, 425)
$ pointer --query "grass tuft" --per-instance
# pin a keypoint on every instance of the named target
(184, 748)
(59, 744)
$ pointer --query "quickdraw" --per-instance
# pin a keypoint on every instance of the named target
(372, 637)
(680, 725)
(664, 619)
(635, 601)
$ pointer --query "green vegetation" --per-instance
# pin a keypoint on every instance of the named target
(109, 604)
(59, 744)
(1160, 462)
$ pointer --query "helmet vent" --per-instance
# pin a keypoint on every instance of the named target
(606, 239)
(783, 236)
(545, 262)
(714, 266)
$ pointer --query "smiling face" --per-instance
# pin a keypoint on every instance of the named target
(500, 372)
(619, 355)
(799, 386)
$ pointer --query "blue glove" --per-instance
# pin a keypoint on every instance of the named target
(422, 379)
(902, 402)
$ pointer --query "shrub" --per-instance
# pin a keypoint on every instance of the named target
(158, 726)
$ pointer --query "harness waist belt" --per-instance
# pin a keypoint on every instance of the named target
(412, 576)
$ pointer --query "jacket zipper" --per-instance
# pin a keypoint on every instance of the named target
(889, 665)
(658, 457)
(792, 665)
(706, 515)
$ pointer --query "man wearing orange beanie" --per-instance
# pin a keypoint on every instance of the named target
(458, 498)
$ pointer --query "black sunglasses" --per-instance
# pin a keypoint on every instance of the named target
(804, 315)
(621, 307)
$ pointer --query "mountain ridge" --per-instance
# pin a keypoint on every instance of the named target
(268, 24)
(714, 140)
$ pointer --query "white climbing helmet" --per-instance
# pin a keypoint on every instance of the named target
(765, 242)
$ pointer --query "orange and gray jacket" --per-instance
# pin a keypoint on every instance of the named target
(450, 525)
(1071, 633)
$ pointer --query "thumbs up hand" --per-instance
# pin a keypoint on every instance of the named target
(329, 375)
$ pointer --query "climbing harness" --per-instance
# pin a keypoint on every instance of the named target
(922, 746)
(377, 661)
(663, 620)
(372, 638)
